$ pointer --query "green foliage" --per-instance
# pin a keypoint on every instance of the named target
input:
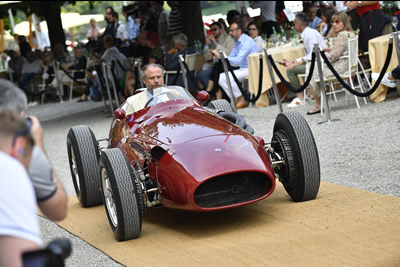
(389, 7)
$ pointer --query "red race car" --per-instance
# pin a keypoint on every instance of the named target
(174, 152)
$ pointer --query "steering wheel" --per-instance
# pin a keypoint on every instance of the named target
(151, 98)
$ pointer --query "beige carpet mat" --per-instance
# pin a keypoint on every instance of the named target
(343, 226)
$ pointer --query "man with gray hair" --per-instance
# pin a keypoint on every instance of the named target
(152, 75)
(172, 62)
(50, 194)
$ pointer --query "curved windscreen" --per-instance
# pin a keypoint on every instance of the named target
(167, 93)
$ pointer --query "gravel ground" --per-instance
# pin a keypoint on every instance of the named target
(360, 149)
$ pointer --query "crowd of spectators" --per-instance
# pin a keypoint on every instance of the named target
(147, 31)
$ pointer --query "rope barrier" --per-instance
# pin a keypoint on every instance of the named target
(291, 88)
(246, 94)
(351, 90)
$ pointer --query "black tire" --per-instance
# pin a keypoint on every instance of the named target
(123, 197)
(294, 142)
(83, 157)
(221, 104)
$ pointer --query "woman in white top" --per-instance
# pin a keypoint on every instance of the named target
(253, 31)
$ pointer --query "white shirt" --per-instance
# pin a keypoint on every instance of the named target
(113, 54)
(43, 38)
(310, 37)
(267, 9)
(17, 201)
(122, 34)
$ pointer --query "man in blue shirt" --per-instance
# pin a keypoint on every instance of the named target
(312, 15)
(244, 46)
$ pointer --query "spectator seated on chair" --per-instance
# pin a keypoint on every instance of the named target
(172, 62)
(79, 64)
(244, 46)
(217, 40)
(30, 69)
(343, 30)
(92, 88)
(310, 37)
(117, 62)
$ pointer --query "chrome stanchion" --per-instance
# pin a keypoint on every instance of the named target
(184, 72)
(222, 57)
(138, 63)
(271, 73)
(113, 84)
(108, 87)
(58, 82)
(322, 85)
(396, 43)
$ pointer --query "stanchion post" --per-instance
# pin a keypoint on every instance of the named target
(222, 57)
(271, 73)
(138, 64)
(108, 65)
(322, 84)
(105, 72)
(184, 72)
(396, 43)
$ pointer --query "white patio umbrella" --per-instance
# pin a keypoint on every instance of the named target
(69, 20)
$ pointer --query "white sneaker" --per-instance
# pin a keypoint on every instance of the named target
(296, 102)
(385, 80)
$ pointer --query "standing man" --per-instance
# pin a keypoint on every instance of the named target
(368, 17)
(110, 28)
(244, 46)
(267, 15)
(294, 67)
(50, 195)
(19, 227)
(163, 17)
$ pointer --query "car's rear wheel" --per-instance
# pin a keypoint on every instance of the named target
(83, 156)
(221, 104)
(123, 197)
(294, 142)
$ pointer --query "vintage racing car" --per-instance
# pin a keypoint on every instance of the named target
(176, 153)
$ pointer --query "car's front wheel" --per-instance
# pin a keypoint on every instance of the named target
(123, 198)
(294, 142)
(83, 156)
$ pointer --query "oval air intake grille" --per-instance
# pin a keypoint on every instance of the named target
(232, 189)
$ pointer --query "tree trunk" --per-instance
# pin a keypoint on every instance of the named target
(52, 14)
(192, 21)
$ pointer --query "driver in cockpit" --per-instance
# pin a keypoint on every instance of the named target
(152, 75)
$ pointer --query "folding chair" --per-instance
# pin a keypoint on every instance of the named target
(352, 72)
(192, 61)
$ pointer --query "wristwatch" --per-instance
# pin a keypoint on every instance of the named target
(359, 3)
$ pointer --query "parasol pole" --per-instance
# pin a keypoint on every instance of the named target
(30, 31)
(2, 34)
(11, 20)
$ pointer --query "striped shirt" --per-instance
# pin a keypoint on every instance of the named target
(175, 21)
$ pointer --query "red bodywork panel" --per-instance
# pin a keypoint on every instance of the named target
(199, 146)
